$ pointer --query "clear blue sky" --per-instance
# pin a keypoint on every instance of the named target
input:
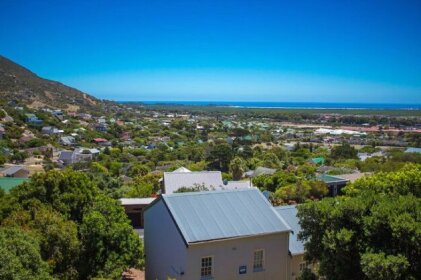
(306, 50)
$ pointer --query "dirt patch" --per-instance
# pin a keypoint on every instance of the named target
(133, 274)
(72, 108)
(37, 105)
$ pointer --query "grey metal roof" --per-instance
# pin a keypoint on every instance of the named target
(213, 215)
(289, 214)
(65, 155)
(175, 180)
(263, 171)
(8, 171)
(181, 169)
(413, 150)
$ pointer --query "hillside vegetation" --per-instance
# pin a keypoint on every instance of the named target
(23, 86)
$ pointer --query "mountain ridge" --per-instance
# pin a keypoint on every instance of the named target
(22, 86)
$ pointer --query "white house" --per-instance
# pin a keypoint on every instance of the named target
(233, 234)
(210, 180)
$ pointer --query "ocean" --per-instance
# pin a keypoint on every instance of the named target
(285, 105)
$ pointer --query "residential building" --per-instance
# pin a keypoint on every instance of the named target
(234, 234)
(318, 160)
(296, 262)
(208, 180)
(32, 119)
(413, 150)
(15, 171)
(102, 142)
(101, 127)
(50, 130)
(334, 183)
(67, 140)
(260, 171)
(78, 155)
(134, 208)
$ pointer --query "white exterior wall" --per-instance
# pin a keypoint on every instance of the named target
(165, 249)
(229, 255)
(294, 266)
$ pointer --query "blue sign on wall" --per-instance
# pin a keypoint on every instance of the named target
(242, 269)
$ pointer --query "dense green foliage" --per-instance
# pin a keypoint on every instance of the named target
(373, 232)
(75, 231)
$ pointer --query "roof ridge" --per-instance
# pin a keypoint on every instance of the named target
(192, 172)
(207, 192)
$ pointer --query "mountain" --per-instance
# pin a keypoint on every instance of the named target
(24, 87)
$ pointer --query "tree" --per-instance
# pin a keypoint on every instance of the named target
(379, 266)
(110, 245)
(271, 160)
(344, 151)
(144, 186)
(68, 192)
(57, 237)
(220, 156)
(237, 168)
(20, 256)
(138, 169)
(373, 232)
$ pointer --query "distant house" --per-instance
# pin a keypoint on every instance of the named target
(125, 136)
(78, 155)
(134, 208)
(363, 156)
(32, 119)
(67, 140)
(318, 160)
(101, 127)
(15, 171)
(210, 180)
(296, 247)
(260, 171)
(66, 157)
(234, 234)
(413, 150)
(102, 142)
(334, 183)
(50, 130)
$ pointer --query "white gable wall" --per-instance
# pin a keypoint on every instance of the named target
(165, 249)
(230, 254)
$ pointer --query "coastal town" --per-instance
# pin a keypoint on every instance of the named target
(210, 140)
(196, 172)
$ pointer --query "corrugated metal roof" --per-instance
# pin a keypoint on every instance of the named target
(204, 216)
(65, 155)
(175, 180)
(330, 179)
(289, 214)
(8, 171)
(413, 150)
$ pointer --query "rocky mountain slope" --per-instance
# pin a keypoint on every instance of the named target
(25, 87)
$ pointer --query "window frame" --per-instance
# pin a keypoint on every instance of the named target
(263, 260)
(203, 277)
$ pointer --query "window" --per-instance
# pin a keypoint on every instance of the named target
(258, 260)
(206, 269)
(304, 265)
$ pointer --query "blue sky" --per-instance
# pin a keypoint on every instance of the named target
(314, 51)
